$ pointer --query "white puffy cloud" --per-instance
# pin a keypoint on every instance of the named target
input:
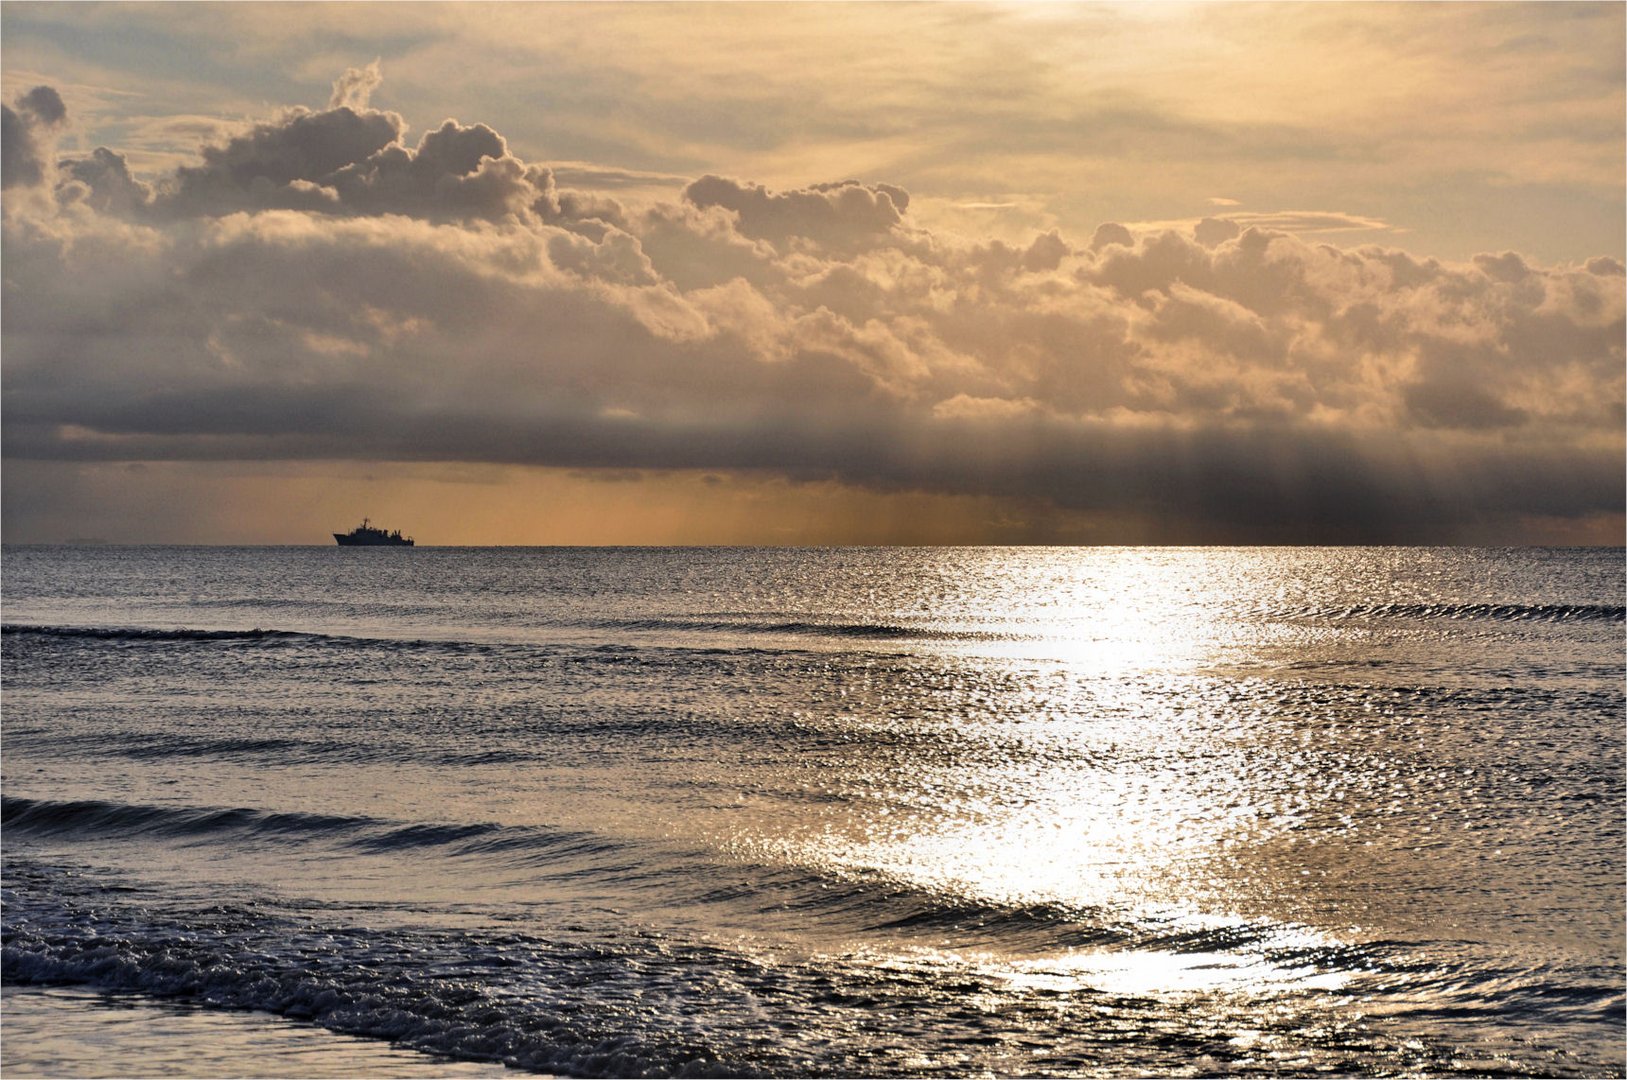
(318, 288)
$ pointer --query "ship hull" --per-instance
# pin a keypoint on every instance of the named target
(346, 540)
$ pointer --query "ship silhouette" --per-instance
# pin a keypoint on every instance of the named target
(364, 535)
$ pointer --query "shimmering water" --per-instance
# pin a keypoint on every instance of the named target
(833, 812)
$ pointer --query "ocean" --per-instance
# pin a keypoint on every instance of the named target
(820, 812)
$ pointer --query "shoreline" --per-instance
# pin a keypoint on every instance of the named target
(83, 1032)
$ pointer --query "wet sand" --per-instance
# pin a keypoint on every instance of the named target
(77, 1032)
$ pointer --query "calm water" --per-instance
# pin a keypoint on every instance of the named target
(833, 812)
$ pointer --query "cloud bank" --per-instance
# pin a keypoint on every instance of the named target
(324, 287)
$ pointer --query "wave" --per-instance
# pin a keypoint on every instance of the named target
(270, 638)
(99, 818)
(183, 635)
(272, 603)
(748, 624)
(132, 633)
(864, 630)
(785, 896)
(1500, 612)
(694, 630)
(691, 631)
(186, 635)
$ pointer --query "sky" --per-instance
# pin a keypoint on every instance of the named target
(813, 273)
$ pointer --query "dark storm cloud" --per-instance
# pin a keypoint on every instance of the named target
(319, 288)
(1288, 485)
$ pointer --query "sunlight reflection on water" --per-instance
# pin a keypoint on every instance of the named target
(1114, 764)
(1161, 973)
(1122, 776)
(1054, 811)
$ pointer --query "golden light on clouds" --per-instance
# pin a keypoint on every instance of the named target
(827, 273)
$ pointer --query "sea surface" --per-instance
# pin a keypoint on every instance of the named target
(833, 812)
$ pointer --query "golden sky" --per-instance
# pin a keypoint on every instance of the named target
(814, 273)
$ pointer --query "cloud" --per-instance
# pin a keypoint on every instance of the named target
(838, 216)
(319, 288)
(28, 128)
(1309, 221)
(591, 175)
(280, 164)
(1111, 233)
(355, 87)
(346, 160)
(1468, 145)
(1212, 231)
(45, 105)
(107, 182)
(455, 171)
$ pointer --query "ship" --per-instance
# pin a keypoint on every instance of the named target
(364, 535)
